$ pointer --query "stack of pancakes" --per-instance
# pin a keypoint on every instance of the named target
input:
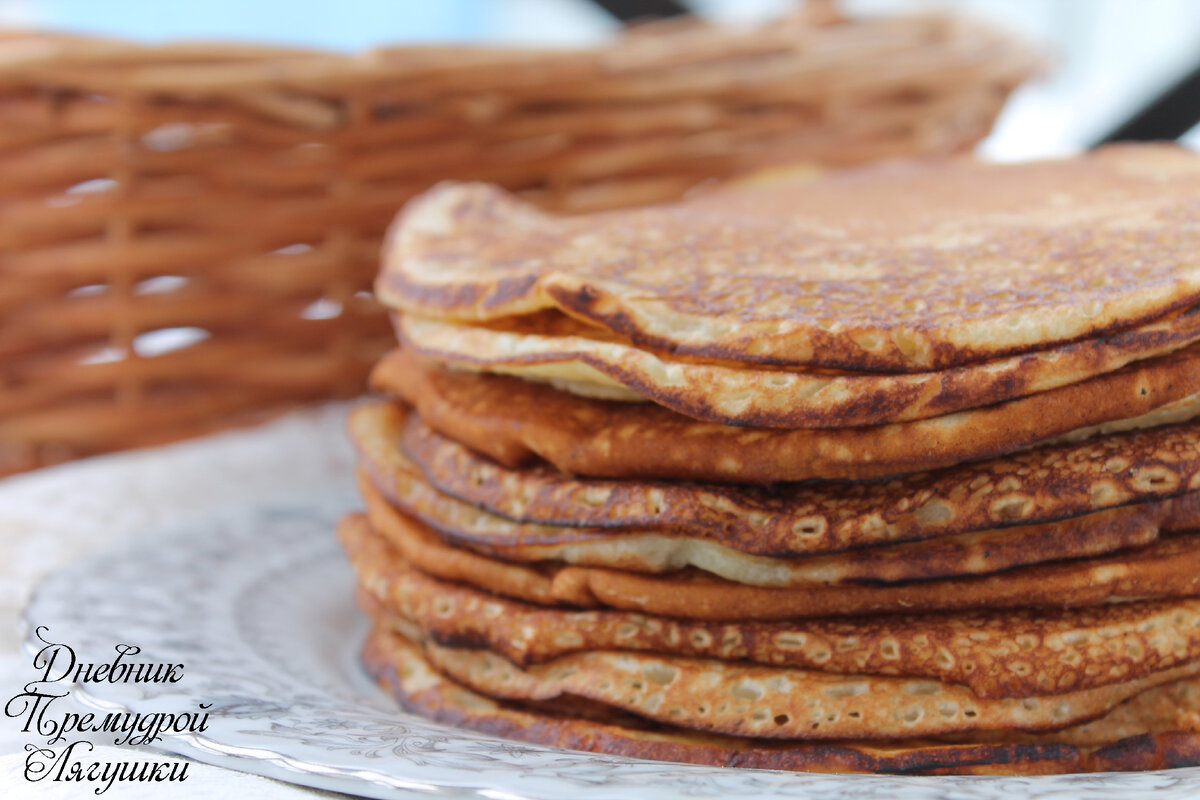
(894, 469)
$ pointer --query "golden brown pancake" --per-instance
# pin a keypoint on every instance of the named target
(420, 546)
(1007, 653)
(740, 699)
(1040, 485)
(516, 421)
(1167, 568)
(577, 360)
(746, 699)
(896, 267)
(974, 553)
(1154, 730)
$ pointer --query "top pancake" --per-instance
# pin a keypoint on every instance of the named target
(895, 267)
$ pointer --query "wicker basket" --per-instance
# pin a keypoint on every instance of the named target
(190, 231)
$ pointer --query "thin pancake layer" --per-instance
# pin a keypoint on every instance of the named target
(1010, 653)
(771, 398)
(1040, 485)
(898, 267)
(742, 699)
(973, 553)
(1152, 731)
(1166, 568)
(514, 421)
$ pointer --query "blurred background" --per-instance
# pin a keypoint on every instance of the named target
(192, 232)
(1112, 56)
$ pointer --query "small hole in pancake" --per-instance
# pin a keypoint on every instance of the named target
(782, 719)
(1012, 507)
(809, 527)
(1157, 478)
(934, 512)
(661, 674)
(791, 640)
(747, 690)
(923, 687)
(841, 690)
(1104, 493)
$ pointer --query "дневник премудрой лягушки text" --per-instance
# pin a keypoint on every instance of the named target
(63, 754)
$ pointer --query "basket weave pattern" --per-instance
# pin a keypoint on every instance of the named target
(190, 231)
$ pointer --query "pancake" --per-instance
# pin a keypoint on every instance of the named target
(1169, 567)
(973, 553)
(904, 267)
(420, 546)
(1013, 653)
(569, 358)
(1041, 485)
(744, 699)
(1154, 730)
(516, 421)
